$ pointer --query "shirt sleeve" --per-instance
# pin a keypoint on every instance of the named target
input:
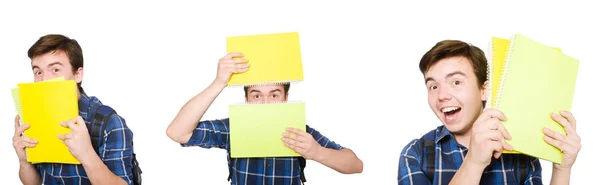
(117, 150)
(322, 140)
(409, 167)
(535, 172)
(210, 133)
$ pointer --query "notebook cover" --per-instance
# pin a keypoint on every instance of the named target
(44, 105)
(537, 80)
(257, 129)
(273, 58)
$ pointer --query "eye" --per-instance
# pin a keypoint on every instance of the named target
(37, 72)
(256, 96)
(433, 87)
(55, 70)
(456, 82)
(274, 96)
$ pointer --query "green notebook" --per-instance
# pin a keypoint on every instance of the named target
(256, 130)
(537, 81)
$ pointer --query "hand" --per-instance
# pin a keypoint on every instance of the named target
(302, 142)
(228, 66)
(78, 141)
(569, 144)
(20, 142)
(487, 138)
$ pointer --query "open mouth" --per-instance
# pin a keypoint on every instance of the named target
(451, 113)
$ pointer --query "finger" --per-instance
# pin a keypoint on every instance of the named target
(570, 118)
(29, 140)
(28, 144)
(556, 143)
(17, 123)
(554, 135)
(240, 70)
(293, 147)
(61, 136)
(240, 66)
(290, 136)
(493, 113)
(562, 121)
(69, 124)
(496, 148)
(503, 130)
(233, 55)
(21, 129)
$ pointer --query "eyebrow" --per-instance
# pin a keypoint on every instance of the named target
(51, 64)
(447, 76)
(276, 90)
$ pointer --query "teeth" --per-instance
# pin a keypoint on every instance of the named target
(448, 109)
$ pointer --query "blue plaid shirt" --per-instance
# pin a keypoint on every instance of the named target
(449, 156)
(250, 171)
(116, 151)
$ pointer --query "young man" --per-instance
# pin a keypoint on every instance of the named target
(455, 76)
(186, 129)
(55, 56)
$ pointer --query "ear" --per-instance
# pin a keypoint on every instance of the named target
(79, 75)
(485, 91)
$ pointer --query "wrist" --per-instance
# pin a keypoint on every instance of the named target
(559, 169)
(473, 165)
(320, 154)
(219, 84)
(89, 157)
(25, 164)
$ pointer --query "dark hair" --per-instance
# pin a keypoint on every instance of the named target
(55, 42)
(455, 48)
(286, 88)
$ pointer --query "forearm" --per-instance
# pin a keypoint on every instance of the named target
(468, 173)
(343, 161)
(28, 174)
(98, 172)
(181, 128)
(560, 176)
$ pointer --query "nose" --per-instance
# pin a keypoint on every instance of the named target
(46, 76)
(444, 93)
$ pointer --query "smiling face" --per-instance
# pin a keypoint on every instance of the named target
(454, 94)
(266, 94)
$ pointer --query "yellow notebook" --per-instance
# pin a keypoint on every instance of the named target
(499, 50)
(273, 58)
(256, 130)
(536, 80)
(44, 105)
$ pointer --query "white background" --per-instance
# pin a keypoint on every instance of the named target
(362, 85)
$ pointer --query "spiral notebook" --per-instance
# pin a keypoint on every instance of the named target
(256, 130)
(273, 58)
(535, 81)
(44, 105)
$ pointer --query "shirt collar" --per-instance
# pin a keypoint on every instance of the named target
(442, 133)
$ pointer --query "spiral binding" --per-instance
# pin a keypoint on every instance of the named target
(268, 103)
(505, 68)
(490, 71)
(266, 83)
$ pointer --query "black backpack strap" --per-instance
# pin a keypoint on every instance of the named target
(302, 164)
(101, 116)
(230, 163)
(429, 147)
(520, 163)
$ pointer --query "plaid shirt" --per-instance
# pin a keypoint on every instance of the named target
(251, 171)
(116, 151)
(413, 164)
